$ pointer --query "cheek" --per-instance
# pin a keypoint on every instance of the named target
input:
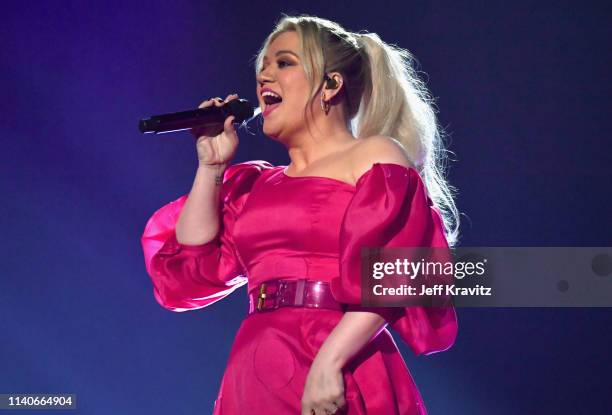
(297, 87)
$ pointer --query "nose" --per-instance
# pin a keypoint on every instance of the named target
(264, 76)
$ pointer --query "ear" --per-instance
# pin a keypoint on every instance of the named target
(338, 80)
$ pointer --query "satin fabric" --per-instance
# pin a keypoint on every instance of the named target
(277, 226)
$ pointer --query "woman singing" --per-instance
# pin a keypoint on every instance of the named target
(365, 171)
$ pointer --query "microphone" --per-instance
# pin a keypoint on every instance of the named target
(212, 116)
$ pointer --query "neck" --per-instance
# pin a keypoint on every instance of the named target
(327, 137)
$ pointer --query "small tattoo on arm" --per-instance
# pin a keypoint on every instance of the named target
(218, 179)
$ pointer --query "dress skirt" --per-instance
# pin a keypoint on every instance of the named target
(272, 354)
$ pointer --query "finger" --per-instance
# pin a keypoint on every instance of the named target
(231, 97)
(218, 102)
(228, 125)
(340, 403)
(329, 409)
(206, 103)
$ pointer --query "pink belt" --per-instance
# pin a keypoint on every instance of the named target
(273, 294)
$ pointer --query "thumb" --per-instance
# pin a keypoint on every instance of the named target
(228, 126)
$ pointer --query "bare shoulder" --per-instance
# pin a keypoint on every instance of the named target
(377, 149)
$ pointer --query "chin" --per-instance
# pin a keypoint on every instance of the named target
(270, 131)
(274, 128)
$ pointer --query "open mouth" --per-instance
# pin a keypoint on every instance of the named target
(272, 101)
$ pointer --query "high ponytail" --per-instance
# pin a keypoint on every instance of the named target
(396, 103)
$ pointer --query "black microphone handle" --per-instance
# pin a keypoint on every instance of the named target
(211, 116)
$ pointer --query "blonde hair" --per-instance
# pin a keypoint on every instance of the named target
(383, 95)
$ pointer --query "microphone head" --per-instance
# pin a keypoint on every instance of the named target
(241, 109)
(146, 125)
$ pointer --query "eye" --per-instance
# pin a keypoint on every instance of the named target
(281, 63)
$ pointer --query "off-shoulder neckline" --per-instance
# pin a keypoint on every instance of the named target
(331, 179)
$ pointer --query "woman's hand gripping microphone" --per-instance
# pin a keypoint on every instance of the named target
(216, 149)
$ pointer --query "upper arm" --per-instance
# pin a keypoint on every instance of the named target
(378, 149)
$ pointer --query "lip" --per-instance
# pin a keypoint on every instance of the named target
(268, 109)
(266, 89)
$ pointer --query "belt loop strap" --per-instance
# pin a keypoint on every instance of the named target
(299, 292)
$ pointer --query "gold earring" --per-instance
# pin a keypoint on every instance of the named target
(325, 105)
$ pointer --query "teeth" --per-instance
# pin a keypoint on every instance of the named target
(270, 94)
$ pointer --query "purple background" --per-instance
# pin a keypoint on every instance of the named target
(523, 88)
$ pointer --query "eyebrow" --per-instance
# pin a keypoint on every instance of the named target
(280, 52)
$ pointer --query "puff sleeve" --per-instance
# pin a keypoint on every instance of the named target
(390, 208)
(188, 277)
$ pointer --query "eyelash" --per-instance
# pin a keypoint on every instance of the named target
(279, 62)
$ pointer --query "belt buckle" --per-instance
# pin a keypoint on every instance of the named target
(261, 298)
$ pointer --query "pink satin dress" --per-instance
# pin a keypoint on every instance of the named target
(278, 226)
